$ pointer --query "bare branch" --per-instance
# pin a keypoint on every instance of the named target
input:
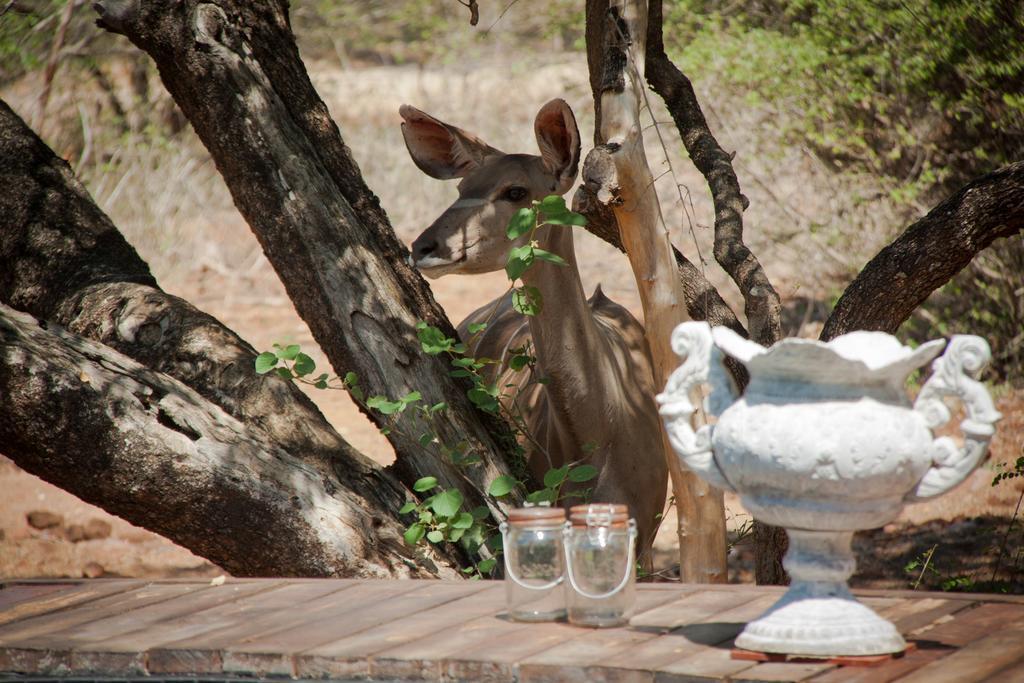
(930, 252)
(150, 449)
(762, 304)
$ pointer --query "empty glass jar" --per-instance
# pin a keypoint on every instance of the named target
(534, 563)
(601, 565)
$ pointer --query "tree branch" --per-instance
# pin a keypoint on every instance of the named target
(234, 70)
(67, 263)
(762, 306)
(100, 425)
(930, 252)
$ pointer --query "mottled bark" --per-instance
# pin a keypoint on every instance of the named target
(65, 262)
(762, 306)
(152, 450)
(235, 72)
(930, 252)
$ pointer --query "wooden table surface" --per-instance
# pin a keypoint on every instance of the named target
(434, 630)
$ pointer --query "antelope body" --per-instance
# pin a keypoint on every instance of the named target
(597, 406)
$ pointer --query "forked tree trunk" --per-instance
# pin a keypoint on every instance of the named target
(154, 451)
(65, 262)
(234, 69)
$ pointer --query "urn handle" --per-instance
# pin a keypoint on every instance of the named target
(702, 363)
(966, 355)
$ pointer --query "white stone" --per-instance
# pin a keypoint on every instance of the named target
(824, 442)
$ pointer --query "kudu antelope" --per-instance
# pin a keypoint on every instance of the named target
(597, 405)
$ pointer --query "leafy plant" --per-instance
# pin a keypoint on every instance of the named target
(439, 516)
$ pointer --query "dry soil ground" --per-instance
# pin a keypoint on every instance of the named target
(171, 205)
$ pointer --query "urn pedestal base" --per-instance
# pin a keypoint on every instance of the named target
(818, 616)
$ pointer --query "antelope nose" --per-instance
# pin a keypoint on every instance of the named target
(422, 248)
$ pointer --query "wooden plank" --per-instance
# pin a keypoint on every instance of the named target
(376, 603)
(671, 643)
(598, 658)
(31, 632)
(85, 636)
(348, 657)
(431, 656)
(194, 643)
(1013, 674)
(13, 593)
(1001, 649)
(75, 593)
(935, 639)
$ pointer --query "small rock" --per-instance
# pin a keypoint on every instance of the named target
(42, 519)
(93, 570)
(96, 529)
(75, 533)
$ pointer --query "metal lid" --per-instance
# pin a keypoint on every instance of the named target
(536, 515)
(599, 514)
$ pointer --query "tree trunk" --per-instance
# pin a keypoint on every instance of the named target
(234, 70)
(154, 451)
(66, 262)
(930, 252)
(617, 174)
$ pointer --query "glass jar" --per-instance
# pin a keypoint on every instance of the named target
(600, 552)
(534, 563)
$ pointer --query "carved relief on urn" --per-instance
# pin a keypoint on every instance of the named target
(823, 442)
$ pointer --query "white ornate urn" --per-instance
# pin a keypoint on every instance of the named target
(824, 442)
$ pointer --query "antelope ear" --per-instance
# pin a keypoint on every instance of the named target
(441, 151)
(559, 142)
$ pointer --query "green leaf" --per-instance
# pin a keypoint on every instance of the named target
(351, 379)
(407, 508)
(480, 512)
(447, 503)
(356, 392)
(424, 484)
(516, 266)
(527, 300)
(455, 534)
(542, 496)
(411, 397)
(582, 473)
(476, 327)
(303, 364)
(383, 405)
(483, 400)
(522, 222)
(321, 384)
(567, 218)
(553, 478)
(288, 352)
(463, 521)
(553, 204)
(435, 536)
(438, 406)
(501, 486)
(549, 257)
(285, 373)
(487, 565)
(517, 363)
(265, 362)
(432, 340)
(414, 533)
(425, 439)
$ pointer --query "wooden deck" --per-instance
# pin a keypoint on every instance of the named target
(457, 631)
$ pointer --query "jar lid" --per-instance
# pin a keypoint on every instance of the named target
(599, 514)
(536, 515)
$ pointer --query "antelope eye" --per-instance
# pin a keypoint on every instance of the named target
(515, 194)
